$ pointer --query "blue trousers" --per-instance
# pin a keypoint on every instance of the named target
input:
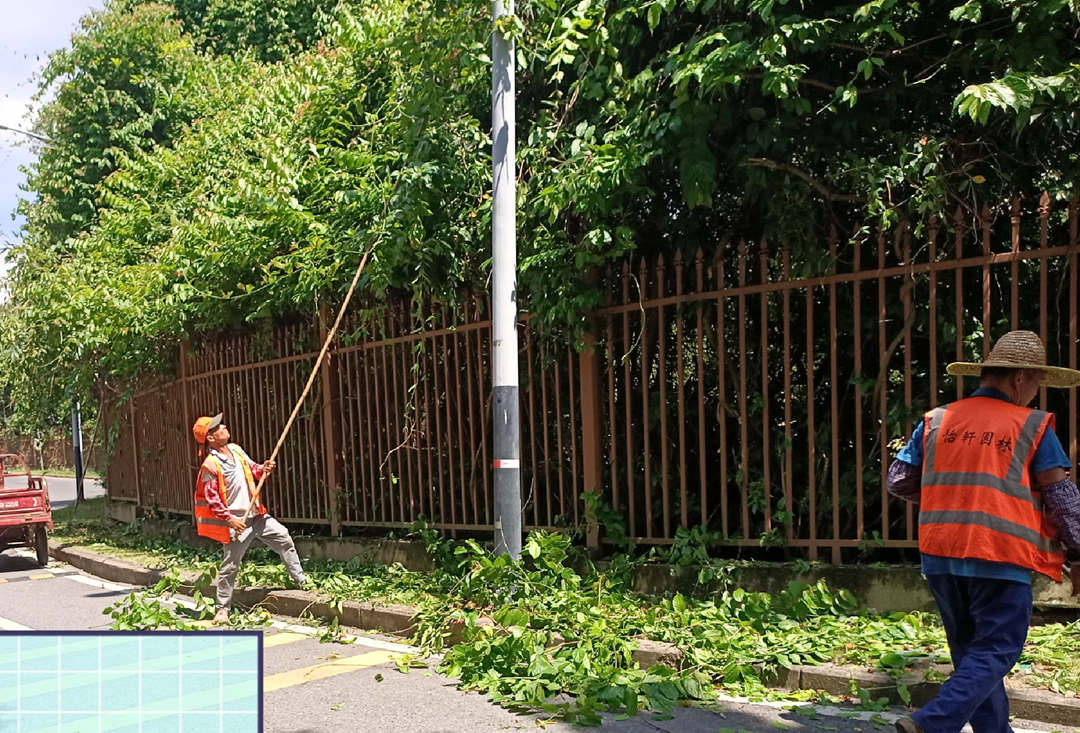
(986, 621)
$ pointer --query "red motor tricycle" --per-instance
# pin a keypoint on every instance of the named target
(25, 511)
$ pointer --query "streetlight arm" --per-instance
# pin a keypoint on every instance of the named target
(34, 135)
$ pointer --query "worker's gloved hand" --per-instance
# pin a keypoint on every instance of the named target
(269, 466)
(238, 526)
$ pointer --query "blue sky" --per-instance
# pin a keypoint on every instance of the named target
(29, 31)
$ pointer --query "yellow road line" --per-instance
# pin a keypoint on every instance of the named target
(41, 576)
(326, 669)
(282, 637)
(2, 580)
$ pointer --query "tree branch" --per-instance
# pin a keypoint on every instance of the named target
(815, 184)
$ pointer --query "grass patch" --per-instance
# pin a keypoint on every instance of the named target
(91, 510)
(67, 473)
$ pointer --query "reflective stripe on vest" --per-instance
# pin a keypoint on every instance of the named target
(977, 500)
(206, 524)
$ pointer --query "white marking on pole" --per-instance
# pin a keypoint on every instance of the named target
(506, 463)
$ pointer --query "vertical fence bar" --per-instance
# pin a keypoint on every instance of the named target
(189, 416)
(857, 347)
(789, 505)
(451, 404)
(410, 443)
(905, 239)
(766, 427)
(591, 440)
(811, 441)
(834, 403)
(330, 446)
(135, 453)
(609, 354)
(413, 384)
(958, 254)
(661, 372)
(534, 484)
(546, 452)
(473, 397)
(1074, 318)
(984, 225)
(381, 427)
(721, 361)
(645, 448)
(559, 455)
(373, 488)
(349, 435)
(628, 403)
(684, 501)
(572, 433)
(430, 417)
(1014, 283)
(483, 395)
(699, 266)
(398, 443)
(744, 423)
(932, 233)
(882, 384)
(1044, 303)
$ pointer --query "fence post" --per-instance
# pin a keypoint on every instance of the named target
(331, 447)
(135, 454)
(591, 437)
(189, 410)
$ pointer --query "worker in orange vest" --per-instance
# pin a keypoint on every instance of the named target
(996, 503)
(223, 494)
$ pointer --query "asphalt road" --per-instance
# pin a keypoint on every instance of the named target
(62, 490)
(314, 687)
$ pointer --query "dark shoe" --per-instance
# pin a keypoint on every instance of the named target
(908, 725)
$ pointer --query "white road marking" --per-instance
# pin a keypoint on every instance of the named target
(6, 625)
(95, 583)
(363, 640)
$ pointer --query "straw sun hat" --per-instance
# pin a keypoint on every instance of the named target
(1019, 350)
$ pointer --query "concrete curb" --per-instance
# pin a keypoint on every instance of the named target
(1024, 702)
(397, 620)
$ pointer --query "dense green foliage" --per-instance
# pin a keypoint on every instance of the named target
(214, 163)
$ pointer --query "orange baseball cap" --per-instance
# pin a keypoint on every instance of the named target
(205, 425)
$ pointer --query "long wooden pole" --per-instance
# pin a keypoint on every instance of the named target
(311, 378)
(325, 347)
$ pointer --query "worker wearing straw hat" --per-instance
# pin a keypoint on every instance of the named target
(223, 496)
(995, 504)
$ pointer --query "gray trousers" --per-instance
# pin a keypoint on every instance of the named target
(271, 533)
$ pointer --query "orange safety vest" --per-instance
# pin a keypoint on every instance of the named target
(978, 499)
(206, 524)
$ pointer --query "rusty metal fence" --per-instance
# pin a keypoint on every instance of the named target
(728, 386)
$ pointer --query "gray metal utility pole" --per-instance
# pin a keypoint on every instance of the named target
(77, 446)
(507, 462)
